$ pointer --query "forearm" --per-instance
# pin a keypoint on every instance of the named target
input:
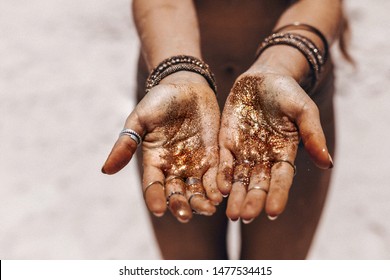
(326, 16)
(166, 28)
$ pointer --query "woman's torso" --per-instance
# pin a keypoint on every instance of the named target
(231, 31)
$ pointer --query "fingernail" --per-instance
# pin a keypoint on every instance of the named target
(272, 218)
(225, 195)
(204, 213)
(331, 161)
(158, 215)
(183, 220)
(234, 220)
(247, 221)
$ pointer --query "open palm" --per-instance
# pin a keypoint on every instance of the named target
(262, 121)
(180, 150)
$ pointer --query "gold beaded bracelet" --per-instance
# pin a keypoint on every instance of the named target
(311, 52)
(310, 28)
(180, 63)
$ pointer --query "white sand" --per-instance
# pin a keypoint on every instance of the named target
(66, 79)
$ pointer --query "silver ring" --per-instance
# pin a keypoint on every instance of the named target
(258, 188)
(172, 194)
(290, 163)
(151, 184)
(193, 181)
(202, 194)
(132, 134)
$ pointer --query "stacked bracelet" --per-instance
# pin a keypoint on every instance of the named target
(180, 63)
(307, 27)
(308, 48)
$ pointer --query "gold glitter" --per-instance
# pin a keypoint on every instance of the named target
(195, 188)
(264, 134)
(242, 172)
(228, 174)
(184, 147)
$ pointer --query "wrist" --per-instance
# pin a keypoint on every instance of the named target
(283, 60)
(184, 77)
(295, 54)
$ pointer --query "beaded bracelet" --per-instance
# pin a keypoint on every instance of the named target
(304, 45)
(314, 51)
(310, 28)
(180, 63)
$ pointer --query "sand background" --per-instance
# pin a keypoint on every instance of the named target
(67, 71)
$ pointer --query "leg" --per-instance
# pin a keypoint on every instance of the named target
(201, 238)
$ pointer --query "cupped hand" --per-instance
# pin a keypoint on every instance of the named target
(262, 122)
(179, 122)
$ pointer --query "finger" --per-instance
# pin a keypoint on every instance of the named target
(196, 197)
(257, 193)
(154, 190)
(210, 185)
(124, 148)
(313, 136)
(177, 202)
(120, 155)
(225, 171)
(201, 205)
(236, 198)
(282, 174)
(238, 191)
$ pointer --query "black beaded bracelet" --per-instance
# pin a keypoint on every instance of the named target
(180, 63)
(304, 45)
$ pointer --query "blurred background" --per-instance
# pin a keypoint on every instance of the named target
(67, 75)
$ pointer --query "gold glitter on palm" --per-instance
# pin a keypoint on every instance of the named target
(185, 149)
(264, 135)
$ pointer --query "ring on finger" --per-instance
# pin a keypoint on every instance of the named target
(290, 163)
(244, 181)
(132, 134)
(202, 194)
(193, 181)
(151, 184)
(172, 194)
(194, 185)
(258, 188)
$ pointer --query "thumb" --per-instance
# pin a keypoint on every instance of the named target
(312, 135)
(124, 148)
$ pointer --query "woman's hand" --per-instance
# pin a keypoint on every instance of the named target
(179, 121)
(264, 117)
